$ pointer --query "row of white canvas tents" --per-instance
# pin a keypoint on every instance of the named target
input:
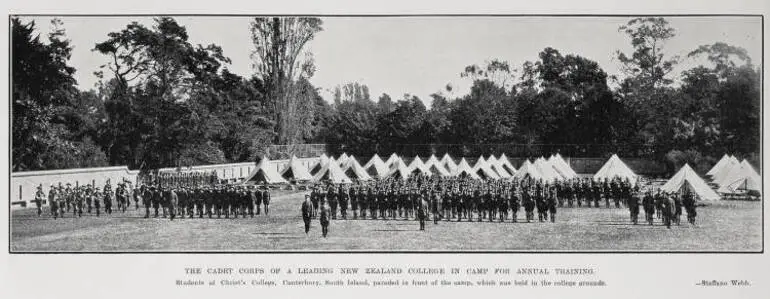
(733, 177)
(345, 168)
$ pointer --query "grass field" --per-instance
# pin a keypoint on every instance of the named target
(721, 226)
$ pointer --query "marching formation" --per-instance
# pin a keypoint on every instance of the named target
(168, 201)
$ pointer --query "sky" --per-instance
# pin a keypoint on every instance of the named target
(421, 55)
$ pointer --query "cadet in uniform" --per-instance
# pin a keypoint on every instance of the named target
(649, 207)
(147, 200)
(208, 194)
(89, 199)
(68, 197)
(266, 200)
(136, 194)
(668, 210)
(372, 195)
(542, 212)
(97, 201)
(324, 217)
(343, 202)
(307, 213)
(52, 202)
(677, 208)
(633, 207)
(62, 200)
(79, 194)
(258, 202)
(252, 199)
(446, 205)
(529, 204)
(172, 202)
(515, 205)
(551, 205)
(435, 207)
(156, 199)
(503, 204)
(659, 204)
(39, 196)
(107, 199)
(183, 202)
(422, 211)
(688, 201)
(353, 195)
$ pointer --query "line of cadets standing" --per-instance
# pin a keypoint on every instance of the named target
(170, 201)
(492, 200)
(82, 198)
(210, 201)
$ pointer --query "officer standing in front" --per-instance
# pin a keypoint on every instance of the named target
(307, 212)
(325, 216)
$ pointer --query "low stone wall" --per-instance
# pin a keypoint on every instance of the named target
(24, 184)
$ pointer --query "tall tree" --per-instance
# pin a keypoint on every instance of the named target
(156, 72)
(646, 88)
(647, 67)
(42, 83)
(279, 43)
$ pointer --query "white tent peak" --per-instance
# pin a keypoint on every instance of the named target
(295, 170)
(354, 170)
(722, 172)
(483, 170)
(331, 172)
(615, 168)
(449, 163)
(721, 163)
(503, 160)
(562, 167)
(376, 167)
(527, 170)
(399, 170)
(547, 170)
(393, 158)
(686, 178)
(464, 169)
(264, 173)
(740, 175)
(436, 167)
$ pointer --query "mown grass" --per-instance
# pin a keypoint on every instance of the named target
(721, 226)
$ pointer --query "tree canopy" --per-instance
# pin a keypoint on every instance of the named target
(163, 101)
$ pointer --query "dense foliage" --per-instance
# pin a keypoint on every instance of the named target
(166, 102)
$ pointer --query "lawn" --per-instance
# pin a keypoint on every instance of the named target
(721, 226)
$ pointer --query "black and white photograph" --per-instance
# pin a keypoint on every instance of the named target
(385, 133)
